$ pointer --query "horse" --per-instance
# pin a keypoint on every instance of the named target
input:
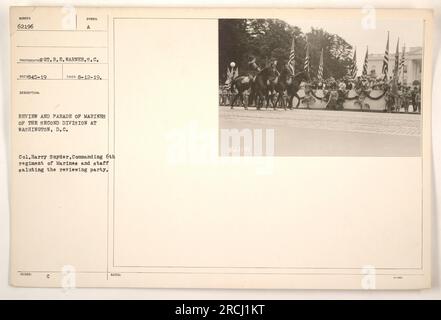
(286, 80)
(293, 87)
(262, 85)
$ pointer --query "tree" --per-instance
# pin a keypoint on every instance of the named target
(268, 39)
(233, 44)
(337, 53)
(271, 39)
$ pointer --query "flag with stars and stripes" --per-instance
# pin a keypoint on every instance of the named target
(365, 63)
(320, 68)
(403, 60)
(292, 56)
(353, 73)
(385, 68)
(397, 60)
(306, 66)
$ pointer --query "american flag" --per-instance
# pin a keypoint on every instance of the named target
(320, 68)
(365, 64)
(306, 67)
(397, 60)
(385, 68)
(402, 61)
(292, 56)
(354, 65)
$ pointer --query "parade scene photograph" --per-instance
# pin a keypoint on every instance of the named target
(325, 87)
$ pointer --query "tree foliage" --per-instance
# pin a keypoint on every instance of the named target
(267, 39)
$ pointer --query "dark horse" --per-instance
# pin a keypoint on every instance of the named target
(290, 83)
(294, 87)
(263, 86)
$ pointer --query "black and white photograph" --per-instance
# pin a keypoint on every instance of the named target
(282, 151)
(322, 87)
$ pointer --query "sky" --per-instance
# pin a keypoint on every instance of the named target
(410, 32)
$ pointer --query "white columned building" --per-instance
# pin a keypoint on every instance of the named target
(412, 65)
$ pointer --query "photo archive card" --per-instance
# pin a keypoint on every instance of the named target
(221, 148)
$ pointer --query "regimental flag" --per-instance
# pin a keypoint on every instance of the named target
(385, 68)
(306, 66)
(232, 72)
(365, 63)
(320, 68)
(292, 56)
(397, 60)
(236, 73)
(353, 71)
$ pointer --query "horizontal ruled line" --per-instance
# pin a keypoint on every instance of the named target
(227, 273)
(37, 62)
(71, 47)
(62, 79)
(67, 30)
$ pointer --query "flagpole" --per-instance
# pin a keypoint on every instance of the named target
(385, 69)
(291, 58)
(397, 60)
(353, 71)
(403, 62)
(306, 65)
(320, 68)
(365, 63)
